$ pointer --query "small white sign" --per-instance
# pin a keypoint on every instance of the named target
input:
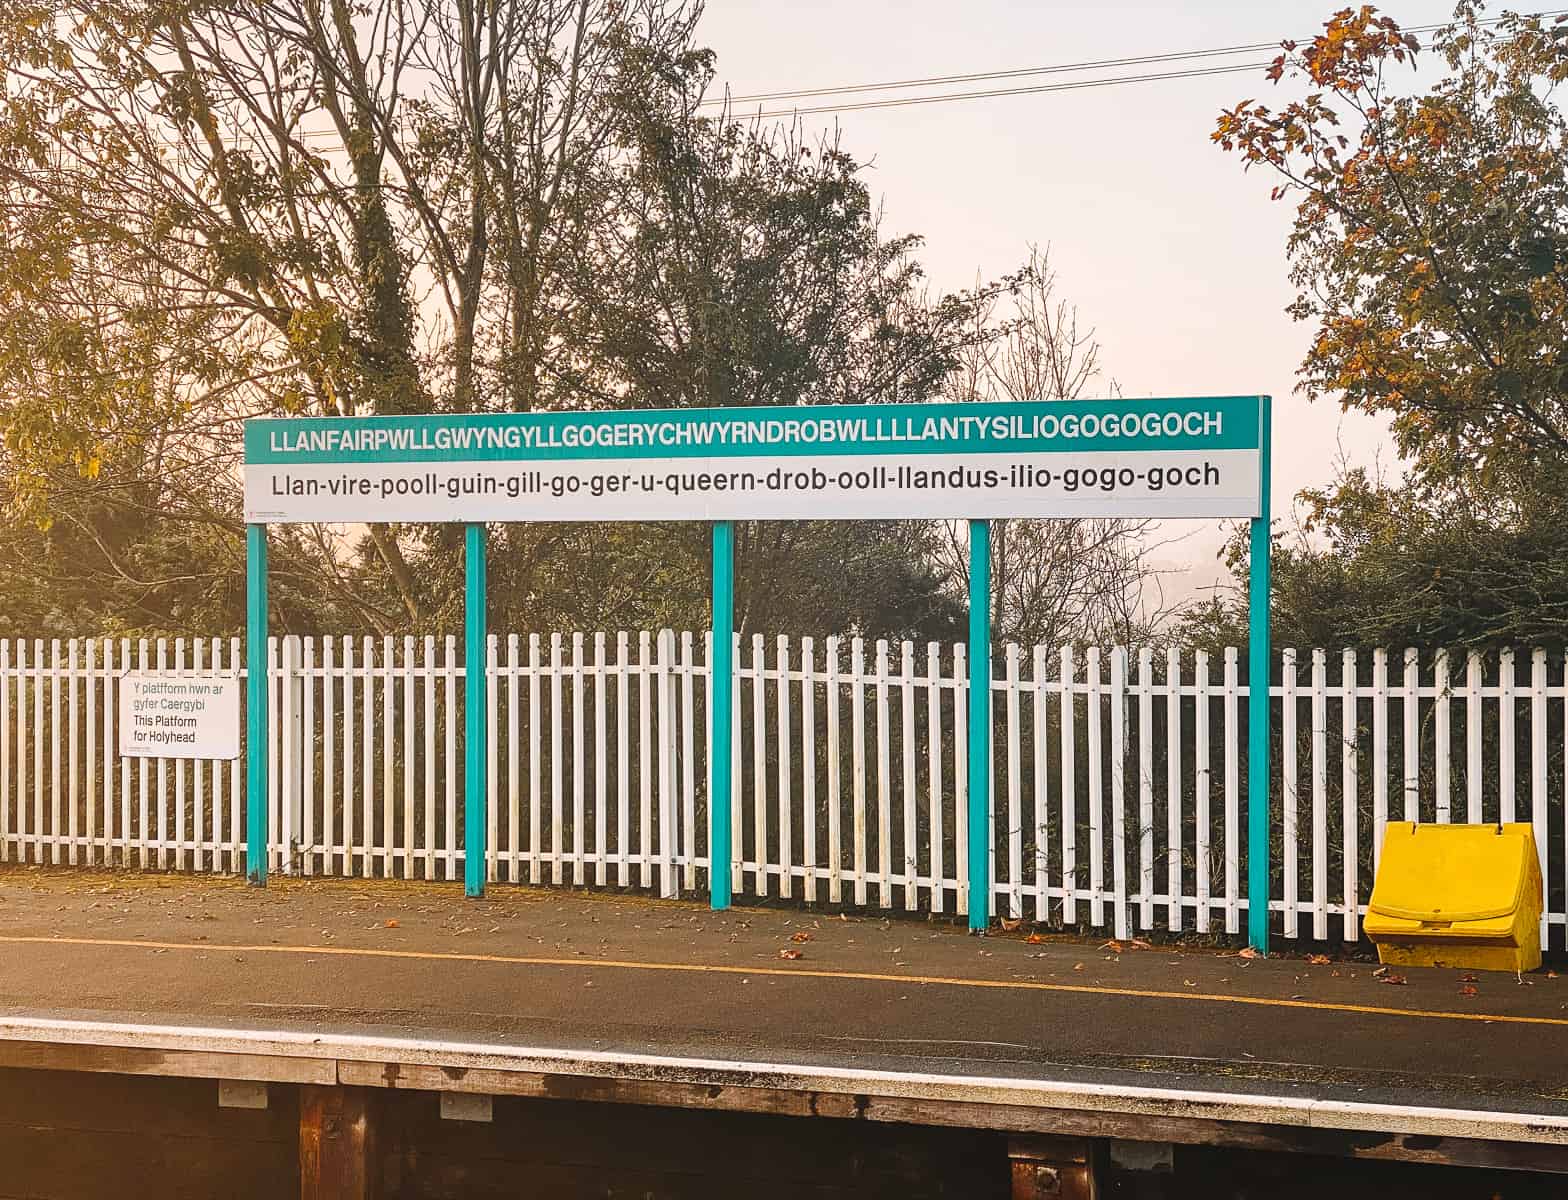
(179, 716)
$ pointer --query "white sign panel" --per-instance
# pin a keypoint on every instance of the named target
(1145, 458)
(179, 716)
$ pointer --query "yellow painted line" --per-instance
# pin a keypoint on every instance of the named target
(1022, 985)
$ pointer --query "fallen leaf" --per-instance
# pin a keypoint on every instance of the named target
(1394, 979)
(1012, 924)
(1113, 946)
(1319, 960)
(791, 953)
(1140, 944)
(1034, 939)
(1077, 966)
(391, 923)
(803, 936)
(1247, 952)
(1190, 982)
(1469, 989)
(1467, 977)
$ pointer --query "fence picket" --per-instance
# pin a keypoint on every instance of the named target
(557, 768)
(5, 750)
(1289, 794)
(307, 752)
(409, 809)
(1014, 816)
(1473, 754)
(1379, 754)
(235, 820)
(1096, 794)
(21, 751)
(329, 780)
(808, 766)
(1411, 712)
(884, 790)
(1444, 738)
(1069, 777)
(1145, 788)
(622, 757)
(688, 764)
(1202, 777)
(857, 715)
(907, 797)
(579, 769)
(785, 770)
(55, 805)
(367, 759)
(349, 758)
(1232, 794)
(1507, 711)
(1538, 781)
(199, 771)
(759, 764)
(73, 756)
(1349, 800)
(961, 777)
(1319, 795)
(536, 762)
(666, 769)
(1119, 751)
(935, 860)
(835, 817)
(1173, 789)
(601, 757)
(1042, 828)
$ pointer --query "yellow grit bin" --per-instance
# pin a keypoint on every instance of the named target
(1457, 896)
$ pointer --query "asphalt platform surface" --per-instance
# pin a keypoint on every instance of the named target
(623, 974)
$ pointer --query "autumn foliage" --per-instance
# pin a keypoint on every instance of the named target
(1429, 246)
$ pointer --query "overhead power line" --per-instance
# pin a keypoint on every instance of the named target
(1027, 72)
(1072, 85)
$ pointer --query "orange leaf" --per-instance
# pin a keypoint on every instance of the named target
(1319, 960)
(392, 923)
(791, 953)
(803, 936)
(1034, 939)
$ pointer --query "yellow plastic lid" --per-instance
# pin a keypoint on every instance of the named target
(1448, 873)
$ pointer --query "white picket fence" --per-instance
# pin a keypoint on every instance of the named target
(1116, 776)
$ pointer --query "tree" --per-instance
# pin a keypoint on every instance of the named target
(217, 210)
(1060, 582)
(211, 210)
(1429, 246)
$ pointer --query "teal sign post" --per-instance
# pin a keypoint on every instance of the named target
(1204, 457)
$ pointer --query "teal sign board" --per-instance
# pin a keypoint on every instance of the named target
(1170, 458)
(1202, 457)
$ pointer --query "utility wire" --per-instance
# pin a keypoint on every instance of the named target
(1057, 69)
(1074, 85)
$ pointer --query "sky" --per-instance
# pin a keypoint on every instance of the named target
(1169, 250)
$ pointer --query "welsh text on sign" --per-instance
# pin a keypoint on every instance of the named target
(179, 716)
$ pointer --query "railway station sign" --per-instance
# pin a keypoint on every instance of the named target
(179, 716)
(1163, 458)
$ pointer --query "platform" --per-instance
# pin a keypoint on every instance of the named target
(617, 998)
